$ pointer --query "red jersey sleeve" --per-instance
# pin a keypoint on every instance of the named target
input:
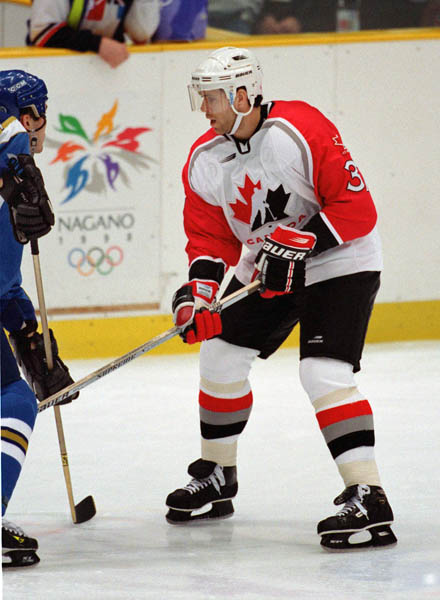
(347, 208)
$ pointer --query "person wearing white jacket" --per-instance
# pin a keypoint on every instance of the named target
(99, 26)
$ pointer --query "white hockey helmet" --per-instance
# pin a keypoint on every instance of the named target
(228, 69)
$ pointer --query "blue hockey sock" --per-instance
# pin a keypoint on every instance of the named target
(18, 414)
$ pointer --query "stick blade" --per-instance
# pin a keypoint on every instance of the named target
(85, 510)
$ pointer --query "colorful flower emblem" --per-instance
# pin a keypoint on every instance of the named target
(98, 162)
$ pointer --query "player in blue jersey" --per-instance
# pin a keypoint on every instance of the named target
(25, 214)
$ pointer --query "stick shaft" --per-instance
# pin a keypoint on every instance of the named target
(49, 359)
(143, 349)
(42, 305)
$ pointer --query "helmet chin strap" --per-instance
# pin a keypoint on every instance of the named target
(236, 125)
(239, 118)
(34, 138)
(34, 142)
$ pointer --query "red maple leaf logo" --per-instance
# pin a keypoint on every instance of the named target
(243, 210)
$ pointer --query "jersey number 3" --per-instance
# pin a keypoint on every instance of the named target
(356, 184)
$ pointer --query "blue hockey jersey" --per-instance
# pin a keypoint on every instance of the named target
(15, 306)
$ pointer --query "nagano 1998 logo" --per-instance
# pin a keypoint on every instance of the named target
(95, 260)
(97, 162)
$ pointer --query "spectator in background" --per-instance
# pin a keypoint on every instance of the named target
(294, 16)
(234, 15)
(182, 20)
(431, 14)
(96, 26)
(278, 16)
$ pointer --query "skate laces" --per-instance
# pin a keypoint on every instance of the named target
(216, 479)
(12, 528)
(355, 502)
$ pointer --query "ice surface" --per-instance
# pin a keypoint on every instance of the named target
(130, 437)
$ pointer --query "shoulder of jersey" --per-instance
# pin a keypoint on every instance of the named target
(11, 124)
(296, 112)
(206, 137)
(13, 132)
(194, 153)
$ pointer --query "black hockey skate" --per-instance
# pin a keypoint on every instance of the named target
(18, 550)
(210, 484)
(363, 522)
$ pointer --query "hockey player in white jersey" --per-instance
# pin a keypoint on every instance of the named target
(277, 179)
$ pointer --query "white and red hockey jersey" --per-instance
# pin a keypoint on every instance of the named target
(294, 170)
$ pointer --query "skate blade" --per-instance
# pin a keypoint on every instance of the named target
(19, 558)
(374, 538)
(219, 510)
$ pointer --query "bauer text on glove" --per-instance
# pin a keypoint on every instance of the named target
(278, 258)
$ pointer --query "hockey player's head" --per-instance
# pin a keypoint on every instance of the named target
(24, 96)
(230, 78)
(20, 92)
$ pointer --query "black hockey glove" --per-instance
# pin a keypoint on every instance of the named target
(280, 256)
(31, 358)
(30, 209)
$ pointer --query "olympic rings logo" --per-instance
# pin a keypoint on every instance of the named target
(96, 259)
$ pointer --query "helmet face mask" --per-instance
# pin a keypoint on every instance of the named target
(226, 69)
(210, 101)
(19, 91)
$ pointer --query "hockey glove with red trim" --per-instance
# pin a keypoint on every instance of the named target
(278, 258)
(191, 311)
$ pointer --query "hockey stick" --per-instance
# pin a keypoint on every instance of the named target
(143, 349)
(85, 510)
